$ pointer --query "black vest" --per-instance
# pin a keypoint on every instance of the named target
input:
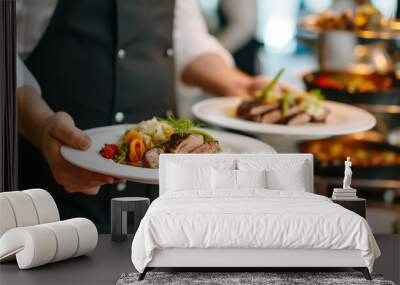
(98, 58)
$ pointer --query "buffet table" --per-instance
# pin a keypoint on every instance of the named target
(110, 259)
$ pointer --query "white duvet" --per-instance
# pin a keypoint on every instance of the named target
(250, 219)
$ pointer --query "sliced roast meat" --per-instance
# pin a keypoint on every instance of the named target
(299, 119)
(257, 118)
(292, 111)
(184, 144)
(272, 117)
(151, 157)
(208, 147)
(244, 108)
(259, 110)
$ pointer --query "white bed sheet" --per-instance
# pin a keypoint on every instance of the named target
(250, 219)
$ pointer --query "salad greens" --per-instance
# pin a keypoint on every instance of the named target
(207, 136)
(123, 153)
(313, 103)
(288, 100)
(184, 127)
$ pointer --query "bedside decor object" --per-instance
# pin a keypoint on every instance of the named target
(347, 174)
(357, 205)
(347, 192)
(31, 231)
(119, 215)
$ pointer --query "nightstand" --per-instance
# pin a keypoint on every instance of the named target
(358, 205)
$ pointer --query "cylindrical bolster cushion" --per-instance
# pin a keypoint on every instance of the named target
(87, 235)
(45, 205)
(41, 244)
(33, 246)
(67, 240)
(23, 208)
(7, 218)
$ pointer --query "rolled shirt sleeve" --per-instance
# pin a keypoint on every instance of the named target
(191, 38)
(25, 77)
(242, 23)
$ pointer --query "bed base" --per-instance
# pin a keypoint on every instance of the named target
(251, 259)
(363, 270)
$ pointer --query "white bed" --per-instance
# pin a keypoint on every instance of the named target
(210, 226)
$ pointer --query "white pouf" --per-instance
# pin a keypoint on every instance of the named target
(32, 233)
(40, 244)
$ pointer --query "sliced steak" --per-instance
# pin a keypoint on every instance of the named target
(152, 156)
(272, 117)
(299, 119)
(209, 147)
(259, 110)
(243, 110)
(292, 111)
(184, 144)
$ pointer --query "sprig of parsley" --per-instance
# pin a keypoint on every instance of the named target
(207, 137)
(184, 127)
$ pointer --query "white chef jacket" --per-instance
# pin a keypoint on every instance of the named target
(190, 36)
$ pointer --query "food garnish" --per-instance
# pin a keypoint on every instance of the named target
(142, 145)
(280, 105)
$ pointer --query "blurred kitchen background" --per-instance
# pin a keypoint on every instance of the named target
(353, 62)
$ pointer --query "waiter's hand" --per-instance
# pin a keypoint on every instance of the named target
(251, 85)
(59, 129)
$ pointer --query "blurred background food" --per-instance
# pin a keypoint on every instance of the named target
(349, 50)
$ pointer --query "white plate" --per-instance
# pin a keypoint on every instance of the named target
(92, 160)
(343, 119)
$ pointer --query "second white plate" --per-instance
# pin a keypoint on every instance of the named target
(343, 119)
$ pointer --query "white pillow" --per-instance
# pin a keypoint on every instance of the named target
(223, 179)
(251, 178)
(288, 175)
(295, 181)
(183, 177)
(226, 179)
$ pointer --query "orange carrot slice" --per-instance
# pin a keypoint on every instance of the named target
(136, 150)
(131, 135)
